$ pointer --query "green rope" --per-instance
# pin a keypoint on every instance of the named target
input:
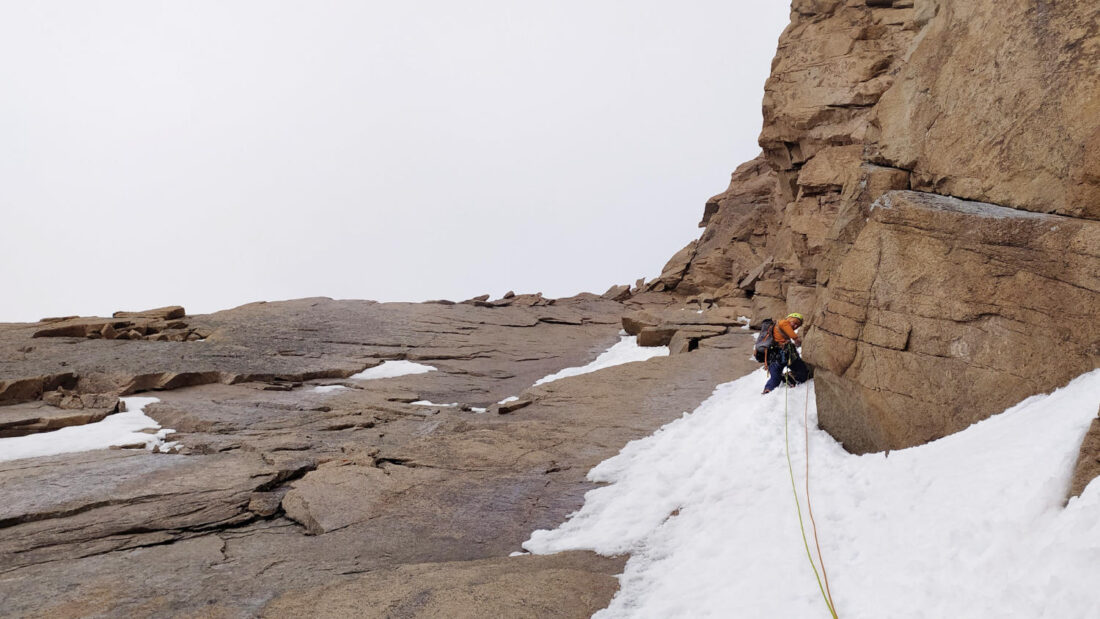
(798, 506)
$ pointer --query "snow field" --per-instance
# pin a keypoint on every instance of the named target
(625, 351)
(112, 431)
(971, 525)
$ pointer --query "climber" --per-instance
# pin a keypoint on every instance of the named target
(783, 354)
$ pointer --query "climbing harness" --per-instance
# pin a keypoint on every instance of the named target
(827, 596)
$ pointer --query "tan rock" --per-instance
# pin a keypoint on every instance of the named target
(688, 339)
(334, 496)
(924, 330)
(733, 242)
(831, 169)
(505, 408)
(674, 270)
(170, 312)
(998, 102)
(801, 299)
(1088, 460)
(571, 584)
(634, 322)
(618, 293)
(656, 336)
(35, 417)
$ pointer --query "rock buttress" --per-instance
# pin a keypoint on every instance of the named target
(985, 101)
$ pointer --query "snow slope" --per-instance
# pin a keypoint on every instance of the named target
(971, 525)
(625, 351)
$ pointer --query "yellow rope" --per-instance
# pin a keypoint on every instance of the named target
(798, 507)
(809, 505)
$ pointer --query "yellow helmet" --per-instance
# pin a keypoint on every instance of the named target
(796, 315)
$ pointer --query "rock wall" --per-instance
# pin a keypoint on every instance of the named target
(947, 311)
(930, 312)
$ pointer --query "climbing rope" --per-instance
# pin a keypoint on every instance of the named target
(798, 506)
(809, 505)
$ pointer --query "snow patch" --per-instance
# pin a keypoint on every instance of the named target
(132, 427)
(511, 398)
(625, 351)
(971, 525)
(427, 403)
(392, 369)
(328, 388)
(744, 320)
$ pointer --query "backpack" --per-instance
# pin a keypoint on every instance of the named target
(764, 340)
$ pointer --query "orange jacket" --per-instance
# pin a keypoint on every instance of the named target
(783, 332)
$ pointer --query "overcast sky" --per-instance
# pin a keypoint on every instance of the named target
(215, 153)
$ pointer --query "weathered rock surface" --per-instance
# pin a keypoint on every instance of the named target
(572, 584)
(982, 101)
(283, 497)
(163, 324)
(34, 417)
(927, 312)
(1000, 102)
(945, 312)
(1088, 460)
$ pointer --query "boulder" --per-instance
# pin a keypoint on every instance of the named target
(618, 293)
(14, 389)
(687, 339)
(656, 336)
(80, 327)
(674, 270)
(922, 330)
(170, 312)
(505, 408)
(634, 322)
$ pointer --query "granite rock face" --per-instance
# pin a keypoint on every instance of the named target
(946, 311)
(1088, 460)
(999, 102)
(297, 489)
(922, 324)
(927, 194)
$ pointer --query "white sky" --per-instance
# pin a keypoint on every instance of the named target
(215, 153)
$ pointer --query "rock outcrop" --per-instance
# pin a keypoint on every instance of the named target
(360, 497)
(993, 103)
(947, 311)
(928, 193)
(1088, 460)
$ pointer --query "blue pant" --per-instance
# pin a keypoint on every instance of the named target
(777, 362)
